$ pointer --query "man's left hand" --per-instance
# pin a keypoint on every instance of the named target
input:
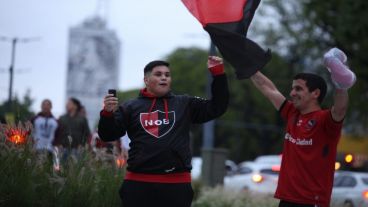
(215, 65)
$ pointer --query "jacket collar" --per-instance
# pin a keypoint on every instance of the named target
(145, 94)
(45, 115)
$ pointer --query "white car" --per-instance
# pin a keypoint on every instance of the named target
(230, 167)
(196, 168)
(257, 176)
(350, 189)
(269, 159)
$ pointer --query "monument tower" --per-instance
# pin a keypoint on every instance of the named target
(93, 62)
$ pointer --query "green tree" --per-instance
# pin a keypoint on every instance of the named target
(346, 23)
(126, 95)
(18, 110)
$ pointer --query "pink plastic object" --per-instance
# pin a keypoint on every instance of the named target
(341, 75)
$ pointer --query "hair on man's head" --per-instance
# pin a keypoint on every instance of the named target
(314, 82)
(46, 100)
(149, 67)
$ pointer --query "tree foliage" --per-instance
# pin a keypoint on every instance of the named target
(18, 110)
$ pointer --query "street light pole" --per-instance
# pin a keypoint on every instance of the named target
(14, 42)
(209, 127)
(213, 166)
(11, 70)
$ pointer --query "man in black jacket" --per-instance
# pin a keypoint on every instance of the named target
(158, 124)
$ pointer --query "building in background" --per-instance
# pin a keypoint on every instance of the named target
(93, 65)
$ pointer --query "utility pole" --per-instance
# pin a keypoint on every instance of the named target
(14, 42)
(11, 70)
(209, 127)
(213, 166)
(213, 159)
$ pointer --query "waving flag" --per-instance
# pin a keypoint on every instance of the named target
(227, 22)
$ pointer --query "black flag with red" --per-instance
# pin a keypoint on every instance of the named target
(227, 22)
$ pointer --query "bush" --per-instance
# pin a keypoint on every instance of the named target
(218, 197)
(29, 179)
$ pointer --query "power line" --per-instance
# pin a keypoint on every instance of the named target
(17, 71)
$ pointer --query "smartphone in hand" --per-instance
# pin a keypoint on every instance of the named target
(112, 91)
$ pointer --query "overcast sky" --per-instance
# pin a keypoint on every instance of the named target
(147, 29)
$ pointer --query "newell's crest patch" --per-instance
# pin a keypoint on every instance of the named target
(311, 124)
(156, 123)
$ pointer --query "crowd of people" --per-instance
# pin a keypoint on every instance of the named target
(67, 134)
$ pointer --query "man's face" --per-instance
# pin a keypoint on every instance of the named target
(158, 81)
(46, 107)
(300, 95)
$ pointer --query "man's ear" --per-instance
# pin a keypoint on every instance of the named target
(145, 79)
(316, 93)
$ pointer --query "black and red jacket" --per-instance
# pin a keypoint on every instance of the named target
(159, 127)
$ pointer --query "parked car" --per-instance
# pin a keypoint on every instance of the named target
(269, 159)
(259, 176)
(350, 189)
(230, 166)
(196, 168)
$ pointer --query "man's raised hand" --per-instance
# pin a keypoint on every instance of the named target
(341, 75)
(215, 65)
(110, 103)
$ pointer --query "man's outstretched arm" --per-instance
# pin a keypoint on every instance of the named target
(268, 89)
(203, 110)
(340, 106)
(343, 79)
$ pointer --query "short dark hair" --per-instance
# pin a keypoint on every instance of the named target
(76, 102)
(47, 100)
(149, 67)
(314, 82)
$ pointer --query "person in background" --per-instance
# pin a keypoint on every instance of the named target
(45, 128)
(124, 146)
(74, 129)
(97, 144)
(83, 111)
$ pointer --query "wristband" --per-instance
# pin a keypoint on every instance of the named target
(217, 70)
(105, 113)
